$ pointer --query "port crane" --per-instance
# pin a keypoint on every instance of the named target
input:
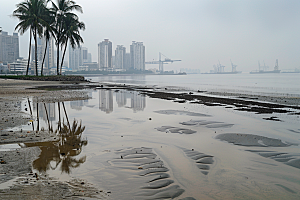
(162, 62)
(233, 69)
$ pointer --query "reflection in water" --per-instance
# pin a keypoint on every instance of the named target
(63, 152)
(121, 98)
(106, 98)
(106, 101)
(138, 102)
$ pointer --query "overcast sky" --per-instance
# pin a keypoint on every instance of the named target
(199, 32)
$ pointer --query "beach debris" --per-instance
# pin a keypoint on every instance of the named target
(150, 118)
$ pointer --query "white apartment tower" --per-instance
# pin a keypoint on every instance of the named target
(137, 52)
(120, 57)
(9, 47)
(105, 55)
(49, 56)
(75, 57)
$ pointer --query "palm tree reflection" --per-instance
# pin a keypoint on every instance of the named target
(64, 152)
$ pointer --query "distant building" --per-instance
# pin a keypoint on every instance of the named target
(137, 53)
(3, 68)
(127, 61)
(91, 66)
(50, 56)
(120, 57)
(84, 54)
(105, 55)
(76, 57)
(9, 47)
(18, 67)
(89, 58)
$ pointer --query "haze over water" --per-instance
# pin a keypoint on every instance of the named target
(263, 84)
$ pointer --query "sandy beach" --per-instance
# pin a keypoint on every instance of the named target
(148, 143)
(17, 179)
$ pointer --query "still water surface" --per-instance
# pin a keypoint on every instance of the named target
(126, 148)
(282, 84)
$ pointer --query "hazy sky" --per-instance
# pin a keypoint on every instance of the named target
(199, 32)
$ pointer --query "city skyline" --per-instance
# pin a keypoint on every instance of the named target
(197, 32)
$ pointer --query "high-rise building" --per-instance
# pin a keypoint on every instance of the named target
(9, 47)
(89, 58)
(105, 55)
(120, 57)
(84, 54)
(137, 53)
(76, 57)
(49, 55)
(127, 62)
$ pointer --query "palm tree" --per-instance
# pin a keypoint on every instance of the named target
(48, 33)
(62, 10)
(32, 15)
(71, 34)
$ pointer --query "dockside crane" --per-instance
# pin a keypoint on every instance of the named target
(162, 62)
(233, 67)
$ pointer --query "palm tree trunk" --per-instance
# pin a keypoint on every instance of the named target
(35, 39)
(62, 60)
(29, 52)
(44, 58)
(57, 59)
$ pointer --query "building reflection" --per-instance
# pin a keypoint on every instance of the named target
(138, 102)
(106, 101)
(77, 105)
(121, 98)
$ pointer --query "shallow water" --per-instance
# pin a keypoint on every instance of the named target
(281, 84)
(123, 151)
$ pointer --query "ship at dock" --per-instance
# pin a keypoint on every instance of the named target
(264, 69)
(219, 69)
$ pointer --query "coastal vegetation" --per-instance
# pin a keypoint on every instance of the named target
(46, 19)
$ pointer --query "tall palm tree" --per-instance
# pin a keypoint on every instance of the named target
(71, 34)
(62, 9)
(48, 33)
(32, 14)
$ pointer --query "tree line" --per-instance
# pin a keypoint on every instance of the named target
(47, 19)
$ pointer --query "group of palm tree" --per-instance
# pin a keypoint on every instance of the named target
(56, 21)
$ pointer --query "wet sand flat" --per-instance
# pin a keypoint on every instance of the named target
(139, 146)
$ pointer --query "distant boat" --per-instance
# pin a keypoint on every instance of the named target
(262, 69)
(219, 69)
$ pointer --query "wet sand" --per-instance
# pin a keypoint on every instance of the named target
(17, 181)
(196, 148)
